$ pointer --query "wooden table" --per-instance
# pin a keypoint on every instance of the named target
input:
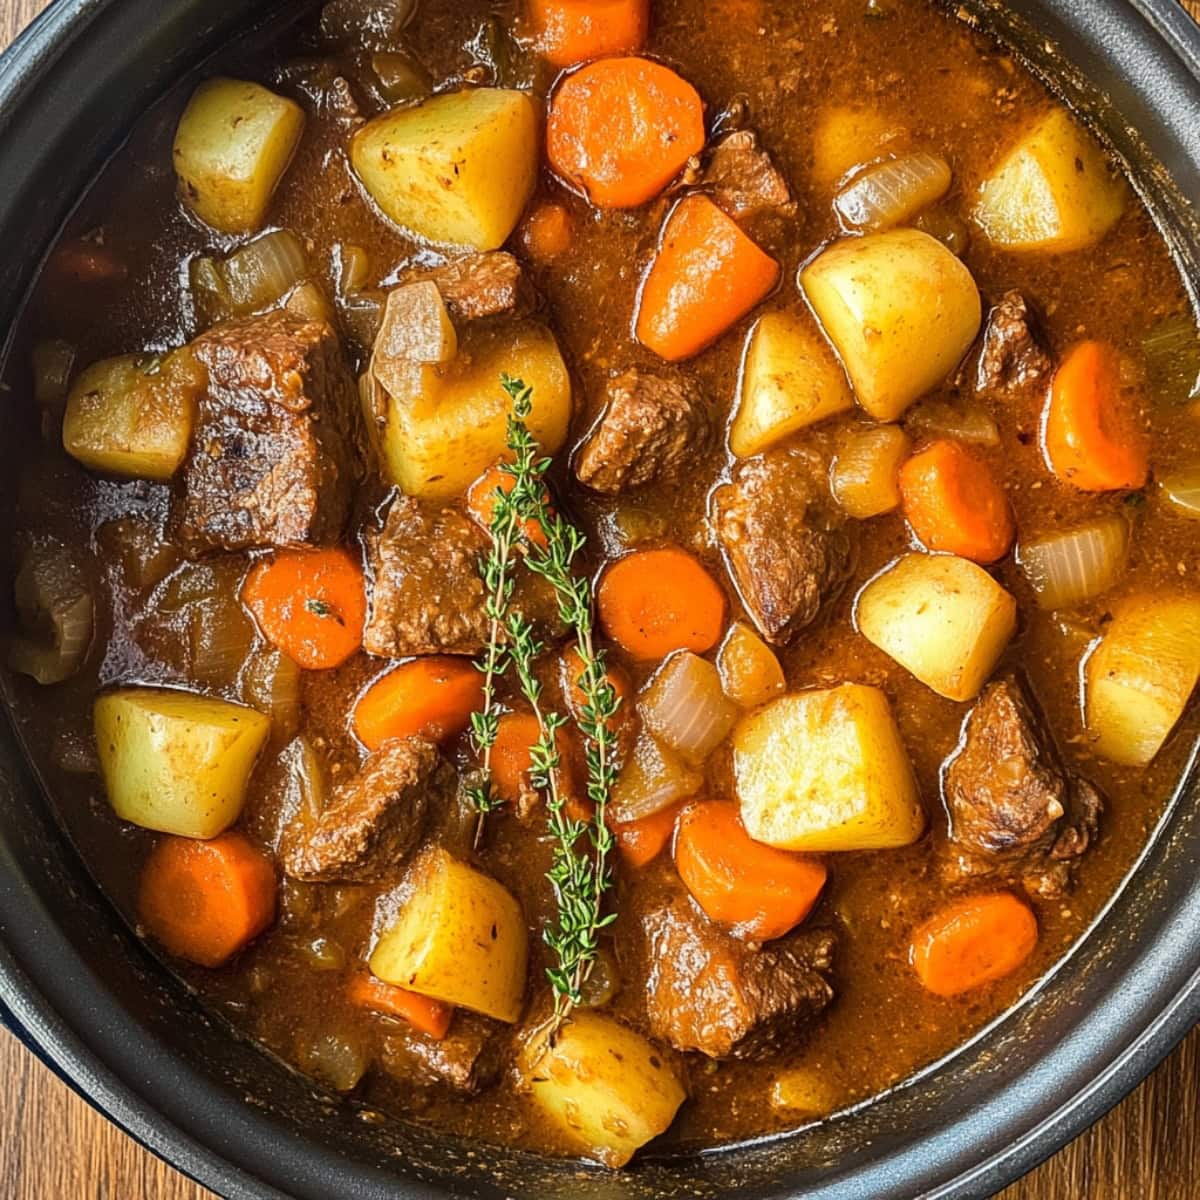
(53, 1146)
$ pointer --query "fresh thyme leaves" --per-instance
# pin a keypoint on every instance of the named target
(319, 608)
(579, 874)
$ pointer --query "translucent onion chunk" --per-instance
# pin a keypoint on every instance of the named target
(1181, 489)
(652, 779)
(686, 708)
(1065, 569)
(893, 192)
(866, 473)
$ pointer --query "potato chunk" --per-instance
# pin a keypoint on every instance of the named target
(446, 424)
(603, 1087)
(174, 761)
(900, 310)
(826, 770)
(845, 137)
(458, 169)
(1054, 191)
(1141, 676)
(459, 938)
(943, 618)
(133, 415)
(789, 380)
(234, 142)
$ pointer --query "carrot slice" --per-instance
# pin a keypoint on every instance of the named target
(204, 901)
(706, 276)
(547, 232)
(954, 504)
(572, 31)
(430, 1017)
(762, 892)
(641, 842)
(1091, 435)
(972, 942)
(571, 673)
(622, 128)
(481, 502)
(652, 602)
(512, 757)
(311, 604)
(428, 697)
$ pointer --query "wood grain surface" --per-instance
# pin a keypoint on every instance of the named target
(53, 1146)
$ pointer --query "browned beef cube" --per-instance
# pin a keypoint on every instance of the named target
(785, 544)
(479, 285)
(1012, 357)
(272, 455)
(1014, 810)
(427, 595)
(651, 426)
(374, 820)
(467, 1059)
(743, 180)
(711, 992)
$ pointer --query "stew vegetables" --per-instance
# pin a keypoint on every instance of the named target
(600, 572)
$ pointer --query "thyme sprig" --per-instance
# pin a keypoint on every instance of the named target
(580, 876)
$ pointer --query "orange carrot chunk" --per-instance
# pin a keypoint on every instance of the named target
(972, 942)
(571, 676)
(205, 901)
(430, 1017)
(706, 276)
(428, 697)
(310, 604)
(547, 232)
(652, 602)
(641, 842)
(567, 32)
(622, 128)
(954, 504)
(762, 892)
(482, 497)
(1092, 437)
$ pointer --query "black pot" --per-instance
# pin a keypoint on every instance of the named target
(132, 1040)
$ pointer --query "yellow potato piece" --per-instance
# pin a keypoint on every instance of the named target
(457, 169)
(943, 618)
(846, 136)
(865, 476)
(900, 310)
(824, 771)
(604, 1088)
(459, 938)
(174, 761)
(789, 380)
(233, 144)
(749, 669)
(1055, 190)
(447, 424)
(1141, 676)
(133, 415)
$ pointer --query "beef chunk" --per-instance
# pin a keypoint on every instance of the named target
(784, 542)
(374, 819)
(708, 991)
(1014, 810)
(648, 430)
(743, 180)
(1012, 357)
(271, 461)
(467, 1059)
(479, 285)
(427, 596)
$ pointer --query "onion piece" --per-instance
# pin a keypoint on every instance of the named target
(893, 192)
(1182, 491)
(937, 418)
(686, 708)
(865, 477)
(1172, 353)
(652, 779)
(56, 613)
(354, 268)
(402, 80)
(52, 363)
(1065, 569)
(251, 279)
(953, 232)
(271, 683)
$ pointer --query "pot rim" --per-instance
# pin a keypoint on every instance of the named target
(123, 1071)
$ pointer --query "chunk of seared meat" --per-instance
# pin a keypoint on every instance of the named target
(1013, 357)
(785, 544)
(272, 460)
(1014, 809)
(710, 992)
(374, 820)
(467, 1059)
(742, 178)
(427, 596)
(651, 426)
(479, 285)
